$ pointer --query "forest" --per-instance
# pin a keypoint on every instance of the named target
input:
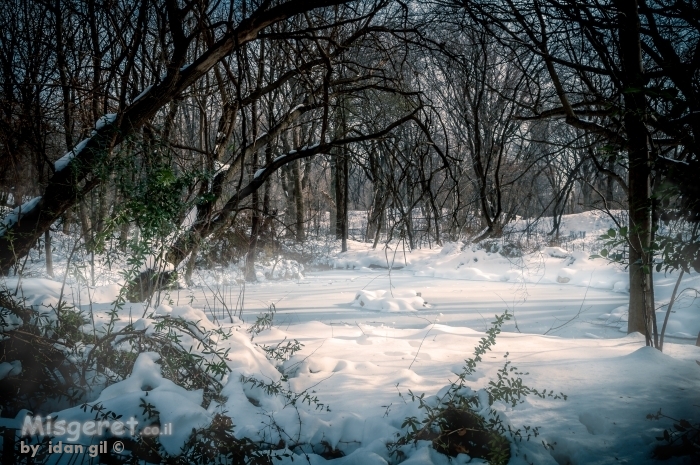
(234, 150)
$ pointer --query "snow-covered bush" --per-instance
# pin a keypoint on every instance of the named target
(166, 368)
(459, 420)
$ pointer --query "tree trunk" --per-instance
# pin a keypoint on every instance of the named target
(346, 184)
(380, 223)
(586, 190)
(333, 207)
(256, 220)
(610, 184)
(374, 222)
(253, 243)
(67, 221)
(103, 208)
(299, 201)
(85, 223)
(123, 236)
(640, 304)
(268, 214)
(189, 268)
(49, 256)
(339, 201)
(409, 228)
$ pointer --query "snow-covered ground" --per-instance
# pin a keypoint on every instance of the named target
(371, 334)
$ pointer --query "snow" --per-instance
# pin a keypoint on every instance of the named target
(13, 368)
(174, 404)
(387, 301)
(296, 108)
(259, 173)
(62, 162)
(189, 220)
(105, 120)
(218, 166)
(13, 217)
(474, 263)
(142, 94)
(381, 322)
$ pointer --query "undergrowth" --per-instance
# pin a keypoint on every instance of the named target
(461, 421)
(683, 439)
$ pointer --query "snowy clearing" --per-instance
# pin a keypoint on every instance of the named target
(371, 334)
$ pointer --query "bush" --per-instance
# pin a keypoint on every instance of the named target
(60, 367)
(681, 440)
(461, 421)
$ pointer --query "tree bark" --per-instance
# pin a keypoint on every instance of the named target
(610, 184)
(48, 251)
(640, 304)
(338, 194)
(333, 197)
(255, 220)
(67, 221)
(298, 201)
(346, 192)
(189, 268)
(253, 243)
(374, 222)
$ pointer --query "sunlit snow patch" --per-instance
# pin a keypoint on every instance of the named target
(384, 301)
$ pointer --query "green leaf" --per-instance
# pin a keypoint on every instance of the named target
(604, 253)
(612, 232)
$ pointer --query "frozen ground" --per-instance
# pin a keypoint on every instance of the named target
(369, 336)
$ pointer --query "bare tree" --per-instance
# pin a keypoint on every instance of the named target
(77, 173)
(603, 65)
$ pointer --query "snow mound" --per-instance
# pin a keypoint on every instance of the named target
(384, 301)
(556, 252)
(13, 368)
(284, 269)
(175, 404)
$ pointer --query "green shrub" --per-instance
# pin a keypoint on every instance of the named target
(458, 422)
(681, 440)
